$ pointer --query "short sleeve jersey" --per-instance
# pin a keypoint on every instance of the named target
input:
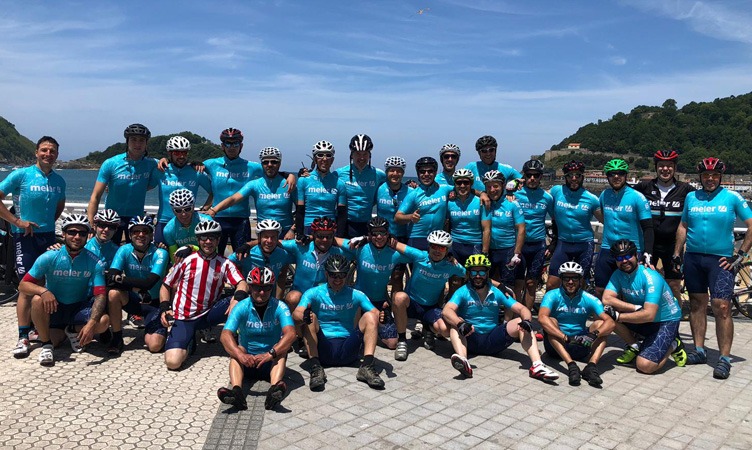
(427, 282)
(272, 199)
(375, 266)
(710, 219)
(505, 216)
(309, 263)
(573, 211)
(321, 195)
(175, 234)
(256, 258)
(645, 285)
(536, 204)
(174, 178)
(431, 203)
(387, 203)
(258, 334)
(361, 190)
(483, 314)
(69, 279)
(335, 310)
(105, 252)
(227, 177)
(35, 196)
(127, 181)
(479, 168)
(465, 217)
(445, 179)
(622, 213)
(571, 313)
(154, 261)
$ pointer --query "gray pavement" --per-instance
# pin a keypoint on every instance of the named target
(88, 400)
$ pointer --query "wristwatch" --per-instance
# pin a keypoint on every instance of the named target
(273, 353)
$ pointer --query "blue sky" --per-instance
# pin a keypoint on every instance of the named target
(412, 74)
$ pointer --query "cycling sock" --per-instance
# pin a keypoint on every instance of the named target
(23, 331)
(367, 360)
(635, 346)
(402, 337)
(117, 335)
(314, 361)
(726, 358)
(674, 345)
(700, 350)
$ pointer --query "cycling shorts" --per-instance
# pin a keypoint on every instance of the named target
(463, 251)
(702, 273)
(659, 336)
(604, 268)
(183, 331)
(580, 252)
(29, 248)
(489, 343)
(665, 255)
(534, 255)
(499, 260)
(576, 351)
(340, 351)
(429, 315)
(71, 314)
(236, 230)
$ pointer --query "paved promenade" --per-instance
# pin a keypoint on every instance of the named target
(89, 401)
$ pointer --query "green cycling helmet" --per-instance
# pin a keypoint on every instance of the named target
(616, 165)
(478, 260)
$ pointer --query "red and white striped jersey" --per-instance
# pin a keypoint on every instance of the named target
(197, 283)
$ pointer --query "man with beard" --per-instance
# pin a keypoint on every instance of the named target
(486, 146)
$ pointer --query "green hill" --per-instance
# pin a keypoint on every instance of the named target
(721, 128)
(201, 149)
(14, 148)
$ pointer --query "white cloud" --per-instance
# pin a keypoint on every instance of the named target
(618, 60)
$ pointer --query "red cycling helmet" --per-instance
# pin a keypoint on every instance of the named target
(711, 164)
(231, 135)
(665, 155)
(260, 276)
(323, 224)
(573, 166)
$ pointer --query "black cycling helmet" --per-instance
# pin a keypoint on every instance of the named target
(426, 161)
(378, 222)
(623, 247)
(665, 155)
(361, 143)
(136, 129)
(532, 166)
(573, 166)
(337, 264)
(231, 135)
(486, 142)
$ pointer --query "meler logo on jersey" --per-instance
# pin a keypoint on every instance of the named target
(572, 310)
(633, 292)
(46, 188)
(228, 174)
(177, 183)
(273, 196)
(321, 190)
(131, 176)
(428, 274)
(491, 303)
(71, 273)
(567, 205)
(377, 267)
(657, 204)
(371, 183)
(333, 307)
(620, 208)
(500, 213)
(528, 205)
(703, 209)
(469, 213)
(259, 325)
(432, 201)
(310, 265)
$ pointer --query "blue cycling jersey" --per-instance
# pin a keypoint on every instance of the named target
(645, 285)
(482, 314)
(387, 203)
(154, 261)
(227, 177)
(69, 278)
(536, 204)
(176, 234)
(309, 263)
(174, 178)
(321, 196)
(427, 282)
(35, 196)
(335, 310)
(465, 217)
(256, 334)
(431, 203)
(479, 168)
(710, 219)
(361, 190)
(572, 313)
(105, 252)
(622, 213)
(256, 258)
(127, 181)
(375, 266)
(272, 199)
(505, 216)
(573, 211)
(445, 178)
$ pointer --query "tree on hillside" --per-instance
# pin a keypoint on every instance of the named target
(14, 148)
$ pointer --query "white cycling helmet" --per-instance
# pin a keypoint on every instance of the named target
(493, 175)
(178, 143)
(107, 216)
(146, 221)
(268, 225)
(182, 198)
(323, 147)
(270, 153)
(440, 237)
(208, 227)
(450, 148)
(463, 173)
(570, 267)
(395, 162)
(75, 219)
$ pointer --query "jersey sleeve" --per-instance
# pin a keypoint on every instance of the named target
(458, 296)
(505, 299)
(291, 247)
(168, 233)
(204, 182)
(233, 274)
(613, 284)
(307, 299)
(363, 302)
(104, 172)
(236, 316)
(284, 316)
(155, 174)
(98, 282)
(341, 192)
(741, 207)
(11, 182)
(685, 211)
(458, 270)
(517, 214)
(175, 274)
(408, 204)
(248, 189)
(549, 299)
(300, 188)
(653, 289)
(593, 305)
(159, 262)
(118, 262)
(411, 255)
(643, 206)
(255, 170)
(380, 177)
(40, 266)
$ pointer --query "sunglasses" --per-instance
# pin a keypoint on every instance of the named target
(141, 231)
(379, 233)
(270, 162)
(232, 144)
(574, 175)
(426, 171)
(179, 152)
(617, 173)
(82, 233)
(478, 273)
(486, 150)
(438, 247)
(187, 209)
(208, 237)
(324, 156)
(462, 183)
(532, 175)
(262, 287)
(449, 156)
(107, 226)
(622, 258)
(337, 275)
(570, 279)
(323, 235)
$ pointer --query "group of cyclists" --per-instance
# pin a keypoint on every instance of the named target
(461, 251)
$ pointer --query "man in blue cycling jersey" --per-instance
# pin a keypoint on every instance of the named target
(321, 194)
(536, 204)
(265, 251)
(362, 181)
(271, 193)
(38, 194)
(257, 335)
(507, 231)
(626, 215)
(486, 146)
(180, 230)
(177, 175)
(105, 224)
(126, 178)
(641, 303)
(572, 235)
(59, 284)
(449, 156)
(472, 315)
(333, 334)
(707, 228)
(563, 314)
(388, 198)
(134, 278)
(468, 220)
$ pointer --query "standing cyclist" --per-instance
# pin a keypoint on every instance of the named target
(362, 181)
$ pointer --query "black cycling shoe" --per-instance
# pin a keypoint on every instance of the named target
(116, 347)
(275, 394)
(318, 378)
(368, 375)
(591, 375)
(234, 397)
(574, 374)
